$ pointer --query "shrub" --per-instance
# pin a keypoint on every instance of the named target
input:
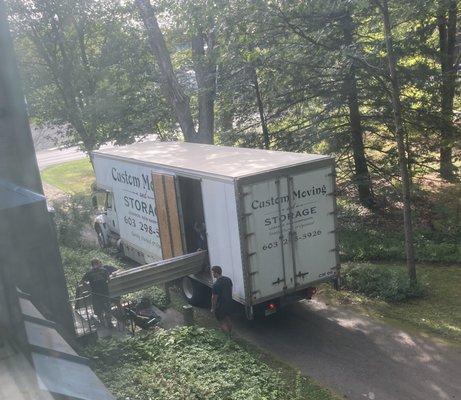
(380, 282)
(71, 217)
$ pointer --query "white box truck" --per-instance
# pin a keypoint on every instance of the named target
(269, 216)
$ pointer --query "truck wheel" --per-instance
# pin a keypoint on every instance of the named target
(101, 239)
(196, 293)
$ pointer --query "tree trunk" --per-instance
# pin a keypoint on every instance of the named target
(400, 138)
(260, 104)
(226, 120)
(205, 74)
(362, 175)
(172, 89)
(447, 43)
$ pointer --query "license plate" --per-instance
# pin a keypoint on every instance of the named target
(269, 311)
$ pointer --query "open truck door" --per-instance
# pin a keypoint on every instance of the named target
(170, 226)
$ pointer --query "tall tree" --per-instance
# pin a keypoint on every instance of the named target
(362, 175)
(203, 46)
(446, 22)
(260, 104)
(86, 71)
(400, 138)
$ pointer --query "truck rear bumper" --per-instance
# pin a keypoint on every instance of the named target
(295, 294)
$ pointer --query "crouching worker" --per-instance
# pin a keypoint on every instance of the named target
(98, 278)
(221, 299)
(145, 316)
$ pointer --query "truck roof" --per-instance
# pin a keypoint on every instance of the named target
(205, 159)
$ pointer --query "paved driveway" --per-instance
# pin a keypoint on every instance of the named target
(358, 357)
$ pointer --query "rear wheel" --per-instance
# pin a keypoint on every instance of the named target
(196, 293)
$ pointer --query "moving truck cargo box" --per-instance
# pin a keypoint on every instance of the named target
(269, 217)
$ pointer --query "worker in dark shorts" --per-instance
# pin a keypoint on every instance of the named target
(221, 299)
(98, 277)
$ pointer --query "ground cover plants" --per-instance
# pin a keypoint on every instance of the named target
(378, 236)
(194, 363)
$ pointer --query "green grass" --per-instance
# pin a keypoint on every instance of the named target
(437, 314)
(194, 363)
(73, 177)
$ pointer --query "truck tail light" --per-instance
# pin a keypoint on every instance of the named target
(271, 308)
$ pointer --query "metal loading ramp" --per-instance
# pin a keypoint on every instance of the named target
(123, 282)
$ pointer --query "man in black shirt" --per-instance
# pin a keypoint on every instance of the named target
(98, 278)
(221, 299)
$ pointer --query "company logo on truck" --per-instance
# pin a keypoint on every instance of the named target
(295, 215)
(139, 205)
(144, 181)
(297, 194)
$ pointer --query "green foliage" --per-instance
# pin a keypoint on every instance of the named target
(87, 69)
(192, 363)
(367, 243)
(379, 282)
(71, 216)
(437, 227)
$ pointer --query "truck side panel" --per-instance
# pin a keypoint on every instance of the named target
(132, 188)
(221, 218)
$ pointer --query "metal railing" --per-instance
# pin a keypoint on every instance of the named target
(83, 313)
(120, 315)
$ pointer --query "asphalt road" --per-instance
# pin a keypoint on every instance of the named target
(357, 357)
(46, 158)
(52, 156)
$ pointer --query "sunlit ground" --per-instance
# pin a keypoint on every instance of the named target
(438, 313)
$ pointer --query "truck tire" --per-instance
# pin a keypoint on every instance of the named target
(101, 239)
(196, 293)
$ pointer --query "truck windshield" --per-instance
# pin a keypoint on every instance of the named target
(108, 200)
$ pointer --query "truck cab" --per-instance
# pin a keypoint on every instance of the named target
(106, 221)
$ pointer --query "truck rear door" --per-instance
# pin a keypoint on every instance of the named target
(167, 210)
(290, 231)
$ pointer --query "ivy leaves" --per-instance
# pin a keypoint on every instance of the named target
(185, 363)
